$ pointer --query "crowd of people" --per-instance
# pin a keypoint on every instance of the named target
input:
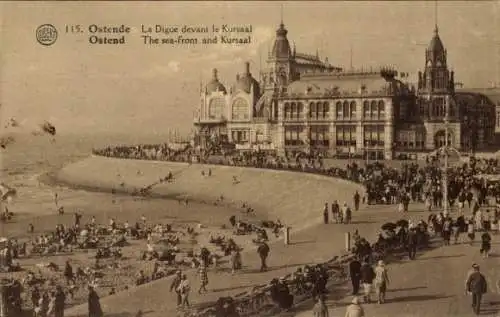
(46, 291)
(468, 188)
(384, 185)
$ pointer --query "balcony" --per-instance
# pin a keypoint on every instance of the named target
(210, 120)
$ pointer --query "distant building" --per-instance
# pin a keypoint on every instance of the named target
(303, 104)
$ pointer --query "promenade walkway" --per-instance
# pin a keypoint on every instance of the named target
(316, 244)
(433, 285)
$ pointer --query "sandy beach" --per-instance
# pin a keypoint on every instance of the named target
(297, 199)
(101, 187)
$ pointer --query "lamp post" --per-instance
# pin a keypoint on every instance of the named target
(445, 176)
(447, 147)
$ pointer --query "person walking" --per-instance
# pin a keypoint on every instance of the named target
(263, 251)
(381, 281)
(68, 273)
(60, 299)
(485, 244)
(355, 309)
(367, 276)
(476, 285)
(184, 288)
(412, 243)
(94, 303)
(203, 277)
(336, 211)
(355, 275)
(320, 309)
(356, 198)
(325, 214)
(346, 214)
(175, 285)
(446, 231)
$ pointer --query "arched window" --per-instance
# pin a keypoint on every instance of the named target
(381, 109)
(345, 109)
(366, 109)
(240, 109)
(300, 110)
(326, 110)
(338, 109)
(373, 109)
(319, 110)
(352, 109)
(312, 110)
(216, 108)
(287, 109)
(294, 111)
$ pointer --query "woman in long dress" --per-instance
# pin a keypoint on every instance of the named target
(95, 309)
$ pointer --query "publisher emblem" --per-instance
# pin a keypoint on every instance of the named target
(46, 34)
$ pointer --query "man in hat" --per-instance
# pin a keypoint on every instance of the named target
(263, 251)
(355, 309)
(356, 198)
(60, 299)
(175, 285)
(381, 281)
(412, 242)
(367, 276)
(476, 286)
(184, 288)
(355, 274)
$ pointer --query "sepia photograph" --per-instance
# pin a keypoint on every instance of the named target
(249, 158)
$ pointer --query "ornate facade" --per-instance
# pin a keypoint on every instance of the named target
(303, 104)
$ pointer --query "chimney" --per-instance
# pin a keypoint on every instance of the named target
(214, 73)
(247, 68)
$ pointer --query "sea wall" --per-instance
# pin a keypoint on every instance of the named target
(297, 199)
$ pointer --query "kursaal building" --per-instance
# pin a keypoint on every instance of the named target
(301, 103)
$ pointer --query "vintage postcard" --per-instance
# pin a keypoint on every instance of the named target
(248, 159)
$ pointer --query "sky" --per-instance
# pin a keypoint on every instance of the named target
(135, 88)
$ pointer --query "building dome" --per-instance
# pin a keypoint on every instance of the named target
(436, 45)
(215, 85)
(246, 81)
(281, 47)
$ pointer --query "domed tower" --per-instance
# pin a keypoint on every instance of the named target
(279, 70)
(436, 96)
(215, 85)
(436, 77)
(245, 82)
(281, 46)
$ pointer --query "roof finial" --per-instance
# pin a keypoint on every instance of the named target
(214, 73)
(350, 56)
(281, 13)
(436, 17)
